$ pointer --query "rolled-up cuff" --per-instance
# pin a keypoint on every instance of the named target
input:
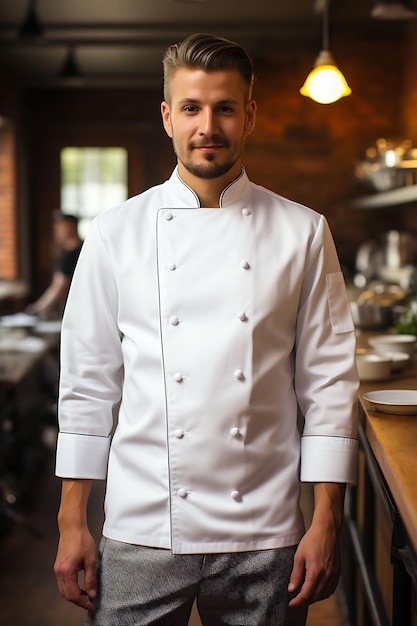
(329, 459)
(82, 456)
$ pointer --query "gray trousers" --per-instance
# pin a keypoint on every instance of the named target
(140, 586)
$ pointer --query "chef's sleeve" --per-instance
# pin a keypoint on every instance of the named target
(326, 380)
(91, 365)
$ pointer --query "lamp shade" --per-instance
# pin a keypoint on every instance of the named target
(31, 25)
(390, 10)
(70, 67)
(325, 83)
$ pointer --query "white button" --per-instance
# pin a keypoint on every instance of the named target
(173, 320)
(182, 493)
(242, 316)
(235, 432)
(244, 264)
(246, 211)
(178, 377)
(235, 495)
(171, 266)
(168, 215)
(179, 434)
(239, 374)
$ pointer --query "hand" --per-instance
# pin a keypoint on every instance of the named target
(316, 569)
(77, 552)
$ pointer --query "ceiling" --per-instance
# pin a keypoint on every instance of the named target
(121, 42)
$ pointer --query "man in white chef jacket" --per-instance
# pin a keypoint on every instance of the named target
(211, 309)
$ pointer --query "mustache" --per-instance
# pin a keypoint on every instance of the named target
(213, 141)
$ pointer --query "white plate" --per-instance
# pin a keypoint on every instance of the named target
(394, 401)
(48, 326)
(31, 344)
(18, 320)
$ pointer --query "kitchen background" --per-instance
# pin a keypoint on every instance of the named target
(329, 157)
(303, 150)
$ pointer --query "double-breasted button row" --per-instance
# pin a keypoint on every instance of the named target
(244, 264)
(238, 373)
(174, 320)
(235, 433)
(235, 494)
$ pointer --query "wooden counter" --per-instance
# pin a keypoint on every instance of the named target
(379, 548)
(393, 440)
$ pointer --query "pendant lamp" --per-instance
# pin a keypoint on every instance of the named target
(31, 25)
(70, 67)
(325, 83)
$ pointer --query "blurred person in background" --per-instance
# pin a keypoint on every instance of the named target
(68, 242)
(51, 305)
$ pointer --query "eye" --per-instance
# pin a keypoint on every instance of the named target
(190, 108)
(225, 109)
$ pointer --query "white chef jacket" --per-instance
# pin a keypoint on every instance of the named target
(201, 330)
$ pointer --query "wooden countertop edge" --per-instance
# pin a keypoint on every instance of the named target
(404, 495)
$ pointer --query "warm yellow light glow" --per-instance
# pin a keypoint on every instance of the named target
(325, 83)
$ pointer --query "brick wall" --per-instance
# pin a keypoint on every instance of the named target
(308, 152)
(303, 150)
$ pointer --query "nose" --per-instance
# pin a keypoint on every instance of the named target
(207, 122)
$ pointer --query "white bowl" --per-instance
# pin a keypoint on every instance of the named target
(399, 361)
(373, 366)
(394, 343)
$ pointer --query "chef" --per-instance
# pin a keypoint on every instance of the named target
(202, 314)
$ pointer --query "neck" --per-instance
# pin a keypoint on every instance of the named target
(208, 190)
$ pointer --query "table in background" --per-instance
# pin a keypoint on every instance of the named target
(24, 406)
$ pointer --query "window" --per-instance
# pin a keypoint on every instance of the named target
(92, 180)
(8, 221)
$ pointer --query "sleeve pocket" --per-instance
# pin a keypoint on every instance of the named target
(340, 313)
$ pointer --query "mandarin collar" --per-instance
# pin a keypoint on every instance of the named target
(234, 194)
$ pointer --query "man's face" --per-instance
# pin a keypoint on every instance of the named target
(208, 120)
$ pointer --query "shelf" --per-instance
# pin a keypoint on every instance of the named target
(403, 195)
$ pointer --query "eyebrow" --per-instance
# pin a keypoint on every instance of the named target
(196, 101)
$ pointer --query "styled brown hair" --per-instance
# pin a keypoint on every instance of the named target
(210, 53)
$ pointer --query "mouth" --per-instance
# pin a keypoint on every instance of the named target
(208, 145)
(214, 144)
(209, 148)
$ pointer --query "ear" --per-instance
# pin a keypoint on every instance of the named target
(166, 118)
(250, 117)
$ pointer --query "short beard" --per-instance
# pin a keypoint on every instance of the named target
(216, 170)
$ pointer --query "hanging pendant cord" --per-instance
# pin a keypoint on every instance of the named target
(325, 28)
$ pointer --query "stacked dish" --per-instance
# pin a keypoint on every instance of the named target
(373, 366)
(389, 354)
(394, 343)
